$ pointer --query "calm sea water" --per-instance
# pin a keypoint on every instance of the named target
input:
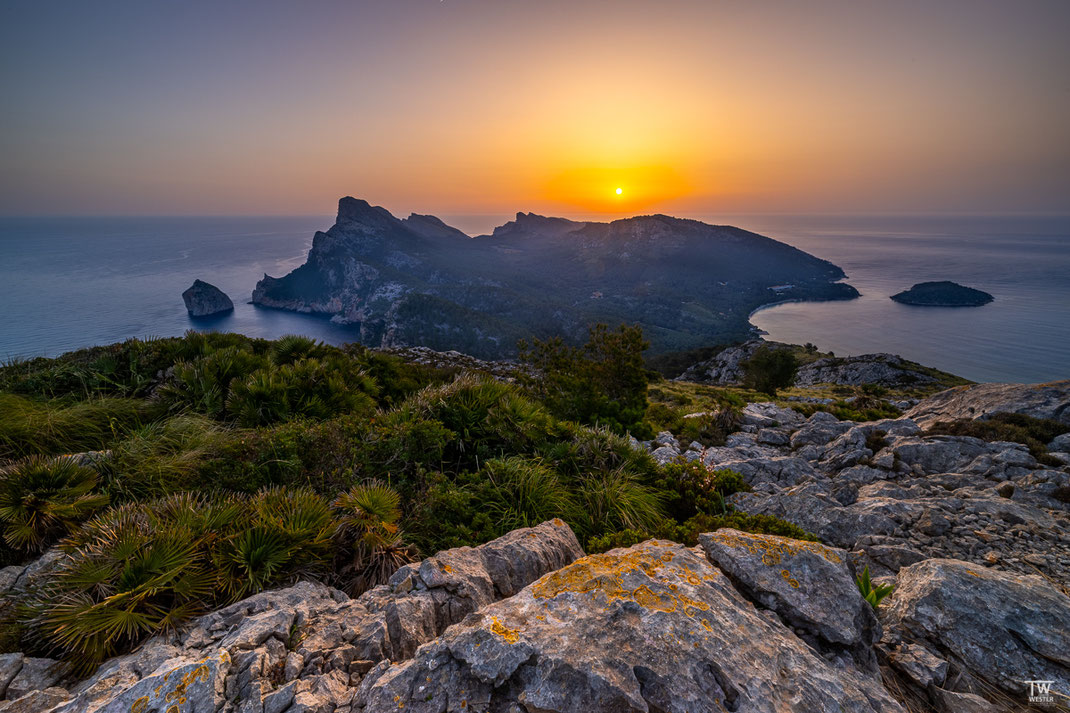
(68, 283)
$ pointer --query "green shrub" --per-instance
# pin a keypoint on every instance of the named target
(769, 369)
(42, 499)
(603, 382)
(368, 517)
(524, 493)
(487, 419)
(159, 459)
(617, 499)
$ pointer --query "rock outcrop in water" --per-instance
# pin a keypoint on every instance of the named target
(417, 281)
(943, 294)
(205, 300)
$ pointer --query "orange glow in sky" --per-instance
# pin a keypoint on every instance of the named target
(486, 106)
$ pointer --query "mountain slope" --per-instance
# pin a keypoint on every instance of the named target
(418, 281)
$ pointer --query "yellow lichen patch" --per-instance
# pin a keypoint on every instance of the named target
(774, 549)
(140, 705)
(510, 636)
(604, 574)
(558, 522)
(447, 569)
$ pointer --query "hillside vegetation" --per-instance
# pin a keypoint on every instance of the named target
(181, 474)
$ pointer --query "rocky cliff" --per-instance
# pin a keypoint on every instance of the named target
(417, 281)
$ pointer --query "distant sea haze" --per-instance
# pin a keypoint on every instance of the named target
(67, 283)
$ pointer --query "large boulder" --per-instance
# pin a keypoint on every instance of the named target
(1005, 629)
(980, 401)
(809, 585)
(205, 300)
(655, 627)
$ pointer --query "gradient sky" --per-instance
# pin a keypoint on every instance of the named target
(470, 106)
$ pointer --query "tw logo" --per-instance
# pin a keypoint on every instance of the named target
(1040, 691)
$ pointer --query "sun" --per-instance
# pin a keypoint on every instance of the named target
(620, 191)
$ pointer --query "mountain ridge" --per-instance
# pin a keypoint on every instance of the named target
(419, 281)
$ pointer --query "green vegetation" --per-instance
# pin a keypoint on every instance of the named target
(873, 594)
(1034, 433)
(42, 499)
(769, 370)
(601, 383)
(223, 465)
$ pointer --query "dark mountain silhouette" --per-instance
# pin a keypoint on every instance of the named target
(417, 281)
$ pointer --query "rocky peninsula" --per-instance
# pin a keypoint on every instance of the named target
(942, 294)
(417, 281)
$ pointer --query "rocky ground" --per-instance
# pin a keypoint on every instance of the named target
(895, 496)
(974, 536)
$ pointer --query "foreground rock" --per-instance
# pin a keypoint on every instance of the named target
(205, 300)
(526, 624)
(979, 628)
(978, 401)
(304, 648)
(655, 627)
(943, 294)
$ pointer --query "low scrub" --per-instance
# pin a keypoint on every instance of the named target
(34, 427)
(42, 499)
(1034, 433)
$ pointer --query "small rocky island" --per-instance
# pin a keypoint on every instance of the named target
(205, 300)
(943, 294)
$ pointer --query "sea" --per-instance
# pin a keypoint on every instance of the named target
(67, 283)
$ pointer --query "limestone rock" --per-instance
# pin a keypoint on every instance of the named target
(978, 401)
(726, 367)
(205, 300)
(319, 635)
(652, 627)
(1000, 627)
(880, 369)
(809, 585)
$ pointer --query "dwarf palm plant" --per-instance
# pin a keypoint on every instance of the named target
(142, 568)
(368, 531)
(42, 499)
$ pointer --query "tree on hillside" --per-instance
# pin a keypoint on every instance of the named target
(600, 383)
(769, 370)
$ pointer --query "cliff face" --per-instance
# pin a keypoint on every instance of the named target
(418, 281)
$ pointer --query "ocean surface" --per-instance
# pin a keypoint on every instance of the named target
(67, 283)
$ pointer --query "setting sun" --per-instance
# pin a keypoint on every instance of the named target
(619, 191)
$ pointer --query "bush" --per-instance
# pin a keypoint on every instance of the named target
(42, 499)
(603, 382)
(769, 370)
(486, 418)
(524, 493)
(1034, 433)
(367, 527)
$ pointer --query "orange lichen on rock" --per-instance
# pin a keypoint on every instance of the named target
(604, 575)
(510, 636)
(773, 549)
